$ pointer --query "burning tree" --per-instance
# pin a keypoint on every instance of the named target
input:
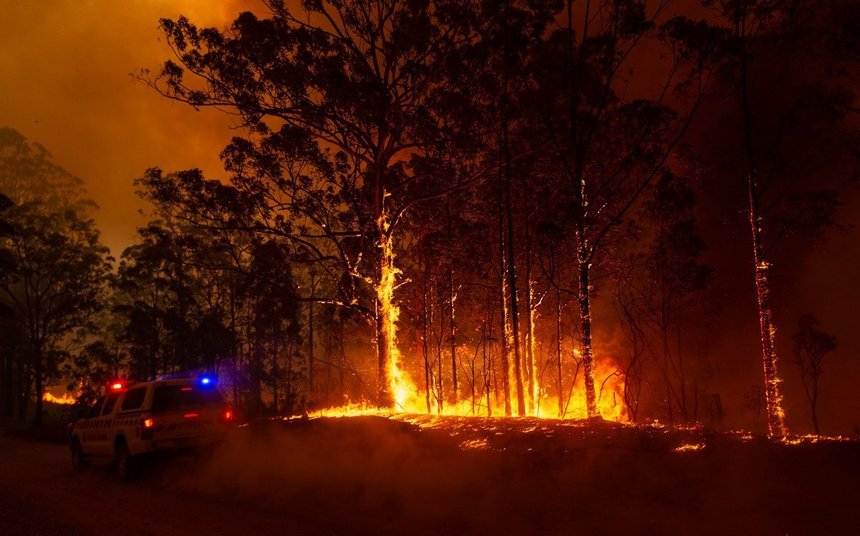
(360, 120)
(357, 113)
(499, 69)
(336, 102)
(610, 148)
(777, 127)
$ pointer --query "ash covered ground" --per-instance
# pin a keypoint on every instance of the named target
(419, 475)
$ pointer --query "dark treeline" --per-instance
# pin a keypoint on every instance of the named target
(467, 207)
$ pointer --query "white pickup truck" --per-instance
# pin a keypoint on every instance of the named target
(146, 417)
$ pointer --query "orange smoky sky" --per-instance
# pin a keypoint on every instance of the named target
(65, 83)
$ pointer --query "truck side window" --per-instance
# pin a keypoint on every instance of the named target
(166, 398)
(109, 403)
(134, 398)
(95, 408)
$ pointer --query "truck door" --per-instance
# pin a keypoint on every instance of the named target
(102, 433)
(129, 417)
(87, 426)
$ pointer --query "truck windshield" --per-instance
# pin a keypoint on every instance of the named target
(169, 398)
(95, 408)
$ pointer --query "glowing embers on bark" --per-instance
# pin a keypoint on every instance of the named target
(773, 392)
(773, 395)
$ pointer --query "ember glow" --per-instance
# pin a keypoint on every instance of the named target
(65, 400)
(689, 447)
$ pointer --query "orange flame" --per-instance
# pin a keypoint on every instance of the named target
(65, 400)
(408, 398)
(400, 386)
(689, 447)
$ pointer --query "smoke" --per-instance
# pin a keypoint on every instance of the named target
(334, 469)
(521, 476)
(65, 84)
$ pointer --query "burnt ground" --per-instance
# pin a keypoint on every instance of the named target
(451, 476)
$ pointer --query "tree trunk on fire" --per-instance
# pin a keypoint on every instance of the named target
(385, 315)
(489, 365)
(503, 304)
(510, 265)
(775, 417)
(452, 327)
(384, 398)
(585, 319)
(583, 249)
(530, 354)
(510, 268)
(424, 349)
(560, 380)
(773, 397)
(452, 312)
(440, 393)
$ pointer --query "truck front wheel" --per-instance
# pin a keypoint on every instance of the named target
(79, 460)
(123, 461)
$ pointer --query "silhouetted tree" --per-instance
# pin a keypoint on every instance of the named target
(10, 362)
(215, 301)
(59, 268)
(811, 346)
(660, 290)
(157, 300)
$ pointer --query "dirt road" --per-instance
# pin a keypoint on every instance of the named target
(39, 494)
(375, 476)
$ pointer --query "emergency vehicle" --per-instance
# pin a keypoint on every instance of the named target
(166, 414)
